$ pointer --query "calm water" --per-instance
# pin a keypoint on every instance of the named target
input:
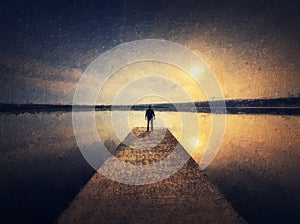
(257, 166)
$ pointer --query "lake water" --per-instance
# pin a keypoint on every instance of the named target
(257, 166)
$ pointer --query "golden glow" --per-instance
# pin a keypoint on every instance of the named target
(128, 74)
(248, 71)
(194, 144)
(196, 71)
(175, 81)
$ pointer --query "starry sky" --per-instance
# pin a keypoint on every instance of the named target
(251, 46)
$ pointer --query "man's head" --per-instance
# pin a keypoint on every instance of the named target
(149, 107)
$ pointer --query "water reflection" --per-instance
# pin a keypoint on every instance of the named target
(41, 168)
(257, 167)
(192, 130)
(257, 162)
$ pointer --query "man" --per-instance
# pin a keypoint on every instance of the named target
(150, 116)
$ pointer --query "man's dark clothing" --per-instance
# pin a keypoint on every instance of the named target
(150, 114)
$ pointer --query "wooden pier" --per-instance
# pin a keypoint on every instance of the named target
(187, 196)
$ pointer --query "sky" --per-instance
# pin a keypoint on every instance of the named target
(252, 47)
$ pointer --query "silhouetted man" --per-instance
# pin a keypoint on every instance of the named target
(150, 116)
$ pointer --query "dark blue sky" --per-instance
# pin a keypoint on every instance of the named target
(68, 35)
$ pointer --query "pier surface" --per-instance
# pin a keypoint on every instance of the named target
(187, 196)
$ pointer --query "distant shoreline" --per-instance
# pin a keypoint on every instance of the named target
(277, 106)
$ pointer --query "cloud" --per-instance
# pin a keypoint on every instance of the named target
(22, 78)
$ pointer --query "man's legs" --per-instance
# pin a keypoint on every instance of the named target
(148, 124)
(152, 124)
